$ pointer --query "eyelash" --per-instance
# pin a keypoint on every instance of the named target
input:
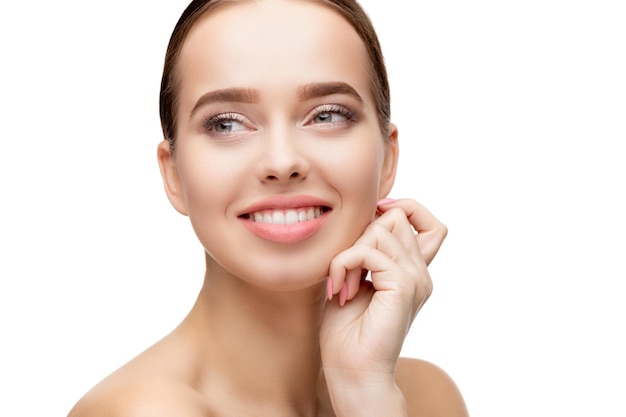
(334, 108)
(210, 122)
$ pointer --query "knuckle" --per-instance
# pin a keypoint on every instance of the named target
(375, 226)
(443, 230)
(359, 246)
(376, 229)
(397, 212)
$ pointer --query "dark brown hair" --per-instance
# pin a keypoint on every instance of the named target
(349, 9)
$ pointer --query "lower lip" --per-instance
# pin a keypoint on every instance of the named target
(291, 233)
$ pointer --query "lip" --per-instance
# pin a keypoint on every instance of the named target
(280, 233)
(284, 203)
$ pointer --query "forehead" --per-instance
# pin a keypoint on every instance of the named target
(272, 44)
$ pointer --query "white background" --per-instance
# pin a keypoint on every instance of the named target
(512, 121)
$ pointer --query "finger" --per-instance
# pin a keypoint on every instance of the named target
(351, 285)
(380, 252)
(408, 290)
(396, 222)
(430, 231)
(394, 237)
(357, 258)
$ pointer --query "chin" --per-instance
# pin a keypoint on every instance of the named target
(281, 277)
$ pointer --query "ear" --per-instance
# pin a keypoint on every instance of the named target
(390, 163)
(171, 181)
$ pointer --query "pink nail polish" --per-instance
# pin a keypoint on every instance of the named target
(329, 289)
(385, 201)
(343, 295)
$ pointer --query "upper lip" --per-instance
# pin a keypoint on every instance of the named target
(283, 202)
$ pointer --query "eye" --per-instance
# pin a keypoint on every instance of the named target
(332, 114)
(329, 117)
(225, 123)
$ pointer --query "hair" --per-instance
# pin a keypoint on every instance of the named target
(349, 9)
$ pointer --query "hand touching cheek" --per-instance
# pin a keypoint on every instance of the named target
(366, 322)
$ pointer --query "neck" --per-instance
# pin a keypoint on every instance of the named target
(258, 347)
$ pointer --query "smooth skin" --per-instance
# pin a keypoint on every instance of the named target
(263, 338)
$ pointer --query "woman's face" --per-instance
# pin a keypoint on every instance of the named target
(276, 124)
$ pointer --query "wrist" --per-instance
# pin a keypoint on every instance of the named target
(365, 395)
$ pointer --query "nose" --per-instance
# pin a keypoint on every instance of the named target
(282, 159)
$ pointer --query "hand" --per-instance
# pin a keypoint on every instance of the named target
(365, 324)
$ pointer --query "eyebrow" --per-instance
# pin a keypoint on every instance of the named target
(247, 95)
(315, 90)
(227, 95)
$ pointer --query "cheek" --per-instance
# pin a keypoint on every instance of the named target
(208, 183)
(357, 169)
(355, 174)
(211, 182)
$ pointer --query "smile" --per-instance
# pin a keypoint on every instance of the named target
(287, 216)
(286, 219)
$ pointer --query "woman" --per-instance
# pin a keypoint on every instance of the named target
(279, 149)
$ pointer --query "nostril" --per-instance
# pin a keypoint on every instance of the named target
(294, 176)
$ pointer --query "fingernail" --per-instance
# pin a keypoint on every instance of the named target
(385, 201)
(329, 289)
(343, 295)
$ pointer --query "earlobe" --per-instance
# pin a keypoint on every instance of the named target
(171, 181)
(390, 163)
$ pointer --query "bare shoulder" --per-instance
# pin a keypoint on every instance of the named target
(147, 398)
(152, 384)
(140, 398)
(428, 390)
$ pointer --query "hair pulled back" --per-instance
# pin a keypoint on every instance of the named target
(349, 9)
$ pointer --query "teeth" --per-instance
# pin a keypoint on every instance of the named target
(286, 217)
(291, 217)
(278, 218)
